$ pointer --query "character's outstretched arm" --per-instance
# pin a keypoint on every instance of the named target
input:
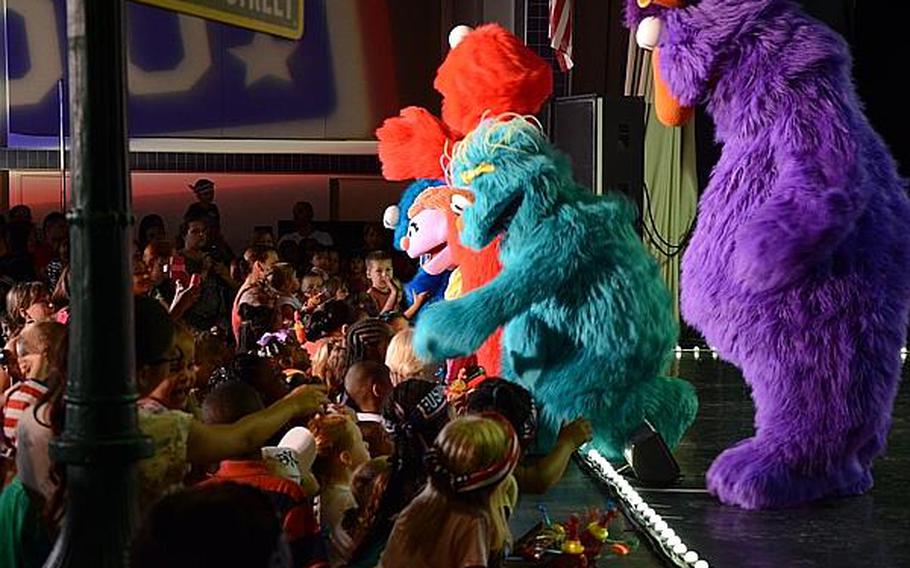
(817, 197)
(459, 327)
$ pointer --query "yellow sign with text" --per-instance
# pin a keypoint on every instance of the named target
(278, 17)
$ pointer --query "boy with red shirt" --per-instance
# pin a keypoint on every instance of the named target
(230, 402)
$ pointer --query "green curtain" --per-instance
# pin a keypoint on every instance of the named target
(671, 181)
(670, 195)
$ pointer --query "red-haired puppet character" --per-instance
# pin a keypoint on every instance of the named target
(488, 70)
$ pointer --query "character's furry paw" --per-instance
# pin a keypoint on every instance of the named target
(446, 330)
(754, 475)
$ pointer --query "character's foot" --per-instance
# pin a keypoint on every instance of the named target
(671, 405)
(753, 475)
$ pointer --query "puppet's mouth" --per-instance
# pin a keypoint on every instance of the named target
(433, 252)
(439, 260)
(504, 218)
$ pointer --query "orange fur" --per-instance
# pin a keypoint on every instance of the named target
(411, 143)
(491, 70)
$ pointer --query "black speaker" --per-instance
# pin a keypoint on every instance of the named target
(605, 141)
(650, 458)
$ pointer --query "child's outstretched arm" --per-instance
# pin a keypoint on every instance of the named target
(539, 478)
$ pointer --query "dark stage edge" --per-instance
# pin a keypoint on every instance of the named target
(870, 530)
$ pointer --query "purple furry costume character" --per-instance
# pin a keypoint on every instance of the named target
(799, 269)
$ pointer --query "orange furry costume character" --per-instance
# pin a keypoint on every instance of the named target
(487, 70)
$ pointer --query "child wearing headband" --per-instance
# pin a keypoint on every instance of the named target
(456, 522)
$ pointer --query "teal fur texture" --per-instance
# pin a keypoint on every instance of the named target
(588, 320)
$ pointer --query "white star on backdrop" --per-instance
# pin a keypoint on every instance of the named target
(265, 57)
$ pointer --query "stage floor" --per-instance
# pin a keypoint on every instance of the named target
(870, 530)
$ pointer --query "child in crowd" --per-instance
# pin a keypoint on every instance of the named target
(228, 403)
(330, 365)
(173, 392)
(455, 521)
(384, 293)
(313, 291)
(41, 357)
(212, 352)
(366, 387)
(340, 449)
(368, 340)
(368, 486)
(514, 402)
(357, 276)
(403, 362)
(415, 411)
(283, 281)
(27, 302)
(326, 262)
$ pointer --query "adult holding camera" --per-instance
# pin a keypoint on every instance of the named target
(204, 190)
(200, 264)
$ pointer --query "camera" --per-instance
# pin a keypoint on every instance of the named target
(214, 253)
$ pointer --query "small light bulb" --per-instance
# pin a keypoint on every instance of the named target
(660, 526)
(701, 564)
(673, 541)
(680, 549)
(668, 534)
(691, 557)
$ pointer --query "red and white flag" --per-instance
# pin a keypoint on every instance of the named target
(561, 31)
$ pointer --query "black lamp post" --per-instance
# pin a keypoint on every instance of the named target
(101, 441)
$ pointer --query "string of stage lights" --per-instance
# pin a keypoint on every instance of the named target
(643, 515)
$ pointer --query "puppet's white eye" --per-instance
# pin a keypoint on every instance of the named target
(457, 34)
(648, 34)
(459, 203)
(391, 216)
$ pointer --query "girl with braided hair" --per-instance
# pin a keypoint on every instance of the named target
(414, 412)
(458, 520)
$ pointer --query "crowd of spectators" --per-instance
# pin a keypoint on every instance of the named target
(293, 424)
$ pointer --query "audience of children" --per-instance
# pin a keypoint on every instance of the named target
(231, 364)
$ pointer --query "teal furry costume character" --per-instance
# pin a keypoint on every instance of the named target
(588, 320)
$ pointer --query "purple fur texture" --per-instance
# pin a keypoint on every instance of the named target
(799, 268)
